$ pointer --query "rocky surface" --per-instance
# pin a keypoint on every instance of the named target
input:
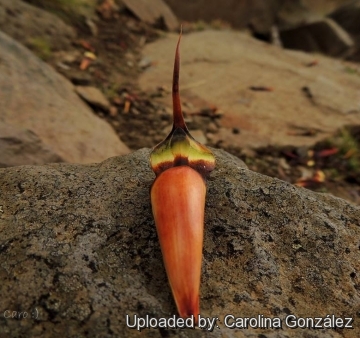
(267, 95)
(20, 147)
(79, 251)
(43, 29)
(157, 13)
(34, 97)
(348, 17)
(258, 14)
(303, 24)
(93, 96)
(323, 36)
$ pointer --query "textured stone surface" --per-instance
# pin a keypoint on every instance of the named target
(78, 245)
(93, 96)
(17, 16)
(36, 98)
(221, 67)
(325, 36)
(20, 147)
(260, 15)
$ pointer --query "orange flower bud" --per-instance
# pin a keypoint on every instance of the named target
(178, 202)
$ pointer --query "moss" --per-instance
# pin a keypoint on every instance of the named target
(112, 91)
(351, 70)
(68, 10)
(349, 149)
(200, 25)
(333, 173)
(41, 47)
(219, 24)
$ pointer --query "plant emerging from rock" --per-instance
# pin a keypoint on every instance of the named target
(181, 165)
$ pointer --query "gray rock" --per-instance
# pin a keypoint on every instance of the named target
(199, 136)
(258, 14)
(93, 96)
(79, 251)
(34, 97)
(19, 147)
(152, 12)
(222, 77)
(17, 17)
(348, 17)
(323, 35)
(294, 13)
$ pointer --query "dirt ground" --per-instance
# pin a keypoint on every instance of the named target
(141, 120)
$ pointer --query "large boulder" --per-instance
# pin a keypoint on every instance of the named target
(348, 17)
(79, 251)
(34, 97)
(43, 29)
(260, 15)
(294, 13)
(153, 13)
(270, 95)
(324, 36)
(19, 147)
